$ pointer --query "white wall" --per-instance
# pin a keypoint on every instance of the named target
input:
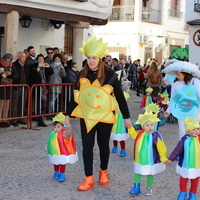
(174, 24)
(194, 51)
(97, 9)
(190, 14)
(36, 36)
(126, 34)
(127, 2)
(118, 34)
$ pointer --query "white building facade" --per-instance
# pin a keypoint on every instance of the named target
(193, 19)
(61, 23)
(145, 28)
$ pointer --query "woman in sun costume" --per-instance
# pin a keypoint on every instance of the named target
(94, 103)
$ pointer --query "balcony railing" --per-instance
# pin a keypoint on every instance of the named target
(175, 13)
(126, 13)
(151, 15)
(122, 13)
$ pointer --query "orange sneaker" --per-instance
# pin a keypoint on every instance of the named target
(87, 184)
(103, 177)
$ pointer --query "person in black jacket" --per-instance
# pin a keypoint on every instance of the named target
(19, 94)
(101, 76)
(72, 73)
(39, 74)
(49, 58)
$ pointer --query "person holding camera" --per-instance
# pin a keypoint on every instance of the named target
(39, 74)
(56, 78)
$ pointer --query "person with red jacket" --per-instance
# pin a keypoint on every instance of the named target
(141, 81)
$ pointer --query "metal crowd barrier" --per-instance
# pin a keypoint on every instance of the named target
(39, 100)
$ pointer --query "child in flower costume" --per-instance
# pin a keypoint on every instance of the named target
(150, 145)
(61, 147)
(188, 150)
(119, 132)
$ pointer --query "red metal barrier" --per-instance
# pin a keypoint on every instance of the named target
(56, 99)
(8, 91)
(42, 100)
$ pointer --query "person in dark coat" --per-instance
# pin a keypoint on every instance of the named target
(9, 73)
(32, 56)
(19, 94)
(72, 73)
(39, 74)
(49, 58)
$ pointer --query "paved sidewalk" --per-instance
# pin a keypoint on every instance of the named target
(25, 173)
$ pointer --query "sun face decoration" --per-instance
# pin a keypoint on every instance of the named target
(95, 104)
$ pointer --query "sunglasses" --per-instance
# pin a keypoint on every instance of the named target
(74, 67)
(50, 52)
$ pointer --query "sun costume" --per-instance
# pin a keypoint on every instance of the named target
(61, 150)
(188, 166)
(149, 153)
(119, 132)
(93, 102)
(154, 109)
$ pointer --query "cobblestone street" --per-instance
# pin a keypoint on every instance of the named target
(25, 172)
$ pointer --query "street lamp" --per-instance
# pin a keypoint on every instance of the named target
(25, 21)
(56, 23)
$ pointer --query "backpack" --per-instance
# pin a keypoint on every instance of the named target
(155, 77)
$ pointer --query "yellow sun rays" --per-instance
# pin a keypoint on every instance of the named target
(95, 104)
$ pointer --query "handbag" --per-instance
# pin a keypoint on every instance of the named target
(6, 81)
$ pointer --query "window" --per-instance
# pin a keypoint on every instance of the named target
(174, 10)
(1, 40)
(68, 42)
(145, 3)
(174, 4)
(116, 3)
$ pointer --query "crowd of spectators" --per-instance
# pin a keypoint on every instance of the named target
(30, 69)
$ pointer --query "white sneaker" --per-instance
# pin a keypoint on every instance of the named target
(148, 192)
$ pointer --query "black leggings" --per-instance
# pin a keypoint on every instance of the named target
(103, 137)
